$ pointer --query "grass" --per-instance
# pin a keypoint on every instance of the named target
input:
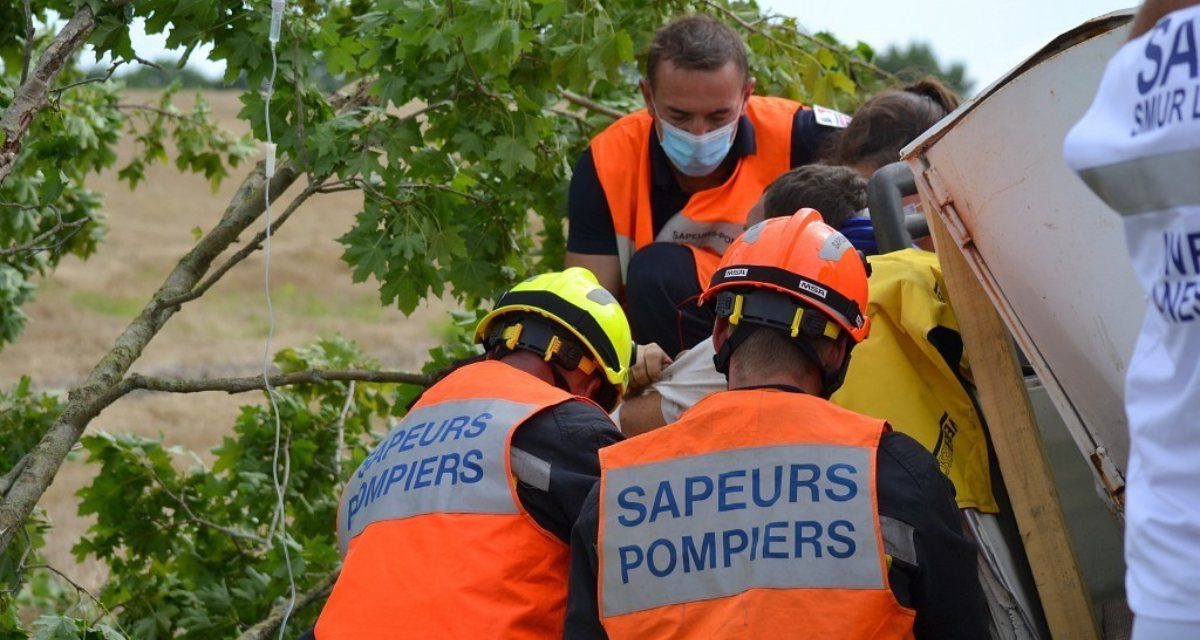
(327, 309)
(288, 299)
(107, 304)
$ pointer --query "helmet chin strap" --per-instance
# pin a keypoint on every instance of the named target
(831, 378)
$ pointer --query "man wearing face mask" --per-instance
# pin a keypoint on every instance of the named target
(661, 193)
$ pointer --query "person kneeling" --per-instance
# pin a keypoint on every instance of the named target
(456, 525)
(767, 511)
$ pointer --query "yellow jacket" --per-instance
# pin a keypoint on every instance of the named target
(908, 372)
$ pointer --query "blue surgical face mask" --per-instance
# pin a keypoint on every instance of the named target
(694, 155)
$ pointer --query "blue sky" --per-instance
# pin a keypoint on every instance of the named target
(989, 37)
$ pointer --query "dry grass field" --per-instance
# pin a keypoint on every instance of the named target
(83, 306)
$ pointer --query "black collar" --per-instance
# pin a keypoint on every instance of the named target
(744, 144)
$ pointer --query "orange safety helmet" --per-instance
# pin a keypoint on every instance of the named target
(811, 264)
(801, 256)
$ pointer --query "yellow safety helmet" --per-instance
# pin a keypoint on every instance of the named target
(574, 300)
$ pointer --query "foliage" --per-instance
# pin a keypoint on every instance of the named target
(24, 416)
(45, 205)
(167, 73)
(918, 60)
(188, 546)
(478, 111)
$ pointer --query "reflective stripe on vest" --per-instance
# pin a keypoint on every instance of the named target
(445, 458)
(758, 506)
(431, 523)
(718, 524)
(1144, 185)
(712, 218)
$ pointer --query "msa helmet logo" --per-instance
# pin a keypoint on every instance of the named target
(813, 289)
(736, 273)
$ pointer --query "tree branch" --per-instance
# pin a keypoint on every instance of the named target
(243, 253)
(298, 117)
(107, 75)
(568, 114)
(479, 86)
(754, 28)
(102, 385)
(32, 95)
(233, 533)
(7, 479)
(591, 105)
(153, 109)
(414, 186)
(35, 245)
(137, 381)
(79, 589)
(267, 628)
(427, 108)
(28, 55)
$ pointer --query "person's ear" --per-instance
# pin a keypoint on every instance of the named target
(648, 96)
(748, 91)
(833, 352)
(720, 333)
(591, 386)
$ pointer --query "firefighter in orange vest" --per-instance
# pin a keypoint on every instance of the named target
(457, 524)
(766, 511)
(659, 195)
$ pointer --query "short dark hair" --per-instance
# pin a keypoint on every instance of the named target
(769, 351)
(891, 119)
(837, 192)
(696, 43)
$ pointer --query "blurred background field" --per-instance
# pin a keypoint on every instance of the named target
(83, 306)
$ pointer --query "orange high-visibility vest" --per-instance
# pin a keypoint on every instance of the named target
(754, 516)
(712, 218)
(435, 542)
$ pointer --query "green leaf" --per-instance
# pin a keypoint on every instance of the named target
(512, 155)
(57, 628)
(486, 40)
(52, 188)
(842, 82)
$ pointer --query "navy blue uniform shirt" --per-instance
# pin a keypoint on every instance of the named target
(592, 231)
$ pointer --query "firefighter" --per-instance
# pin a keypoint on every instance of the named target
(457, 524)
(767, 511)
(659, 195)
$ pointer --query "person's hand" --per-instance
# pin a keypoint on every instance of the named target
(651, 360)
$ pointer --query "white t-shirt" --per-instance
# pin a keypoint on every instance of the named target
(688, 380)
(1138, 148)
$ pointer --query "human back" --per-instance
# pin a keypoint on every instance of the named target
(457, 522)
(766, 498)
(436, 494)
(771, 512)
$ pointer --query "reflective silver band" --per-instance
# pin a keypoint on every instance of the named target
(443, 458)
(529, 468)
(898, 540)
(718, 524)
(1144, 185)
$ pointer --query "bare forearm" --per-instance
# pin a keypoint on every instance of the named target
(607, 269)
(642, 414)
